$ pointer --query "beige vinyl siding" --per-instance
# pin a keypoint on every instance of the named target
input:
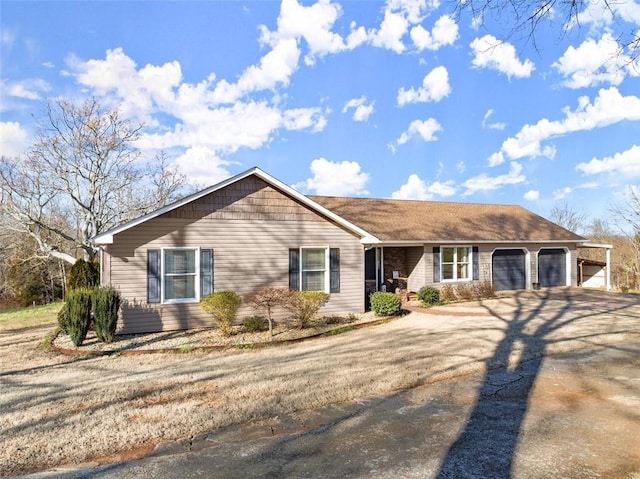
(417, 273)
(249, 253)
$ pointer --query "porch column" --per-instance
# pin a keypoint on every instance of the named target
(608, 272)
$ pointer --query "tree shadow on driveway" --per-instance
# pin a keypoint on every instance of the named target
(487, 444)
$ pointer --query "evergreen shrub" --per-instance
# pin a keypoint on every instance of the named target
(385, 304)
(78, 314)
(106, 303)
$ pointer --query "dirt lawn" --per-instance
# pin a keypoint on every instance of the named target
(58, 409)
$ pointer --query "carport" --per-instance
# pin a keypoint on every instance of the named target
(590, 268)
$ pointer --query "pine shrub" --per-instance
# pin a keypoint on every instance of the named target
(63, 323)
(429, 295)
(305, 305)
(385, 304)
(83, 274)
(106, 303)
(223, 307)
(78, 314)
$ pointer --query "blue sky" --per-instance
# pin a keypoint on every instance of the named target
(360, 98)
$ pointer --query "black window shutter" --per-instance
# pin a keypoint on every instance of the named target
(294, 269)
(206, 272)
(436, 264)
(476, 267)
(334, 267)
(153, 275)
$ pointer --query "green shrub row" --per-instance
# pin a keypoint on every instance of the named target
(86, 304)
(223, 307)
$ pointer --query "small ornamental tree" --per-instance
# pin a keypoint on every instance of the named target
(305, 305)
(106, 303)
(267, 299)
(78, 314)
(385, 304)
(223, 307)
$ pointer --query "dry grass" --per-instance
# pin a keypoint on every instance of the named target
(56, 409)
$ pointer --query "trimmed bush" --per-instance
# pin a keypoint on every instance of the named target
(83, 274)
(267, 299)
(63, 323)
(254, 324)
(106, 303)
(385, 304)
(429, 295)
(305, 305)
(78, 314)
(223, 306)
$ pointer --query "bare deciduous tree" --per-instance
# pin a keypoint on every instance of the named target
(568, 218)
(526, 17)
(627, 217)
(84, 167)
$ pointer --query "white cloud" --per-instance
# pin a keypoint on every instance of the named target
(275, 67)
(484, 182)
(625, 164)
(335, 178)
(601, 14)
(489, 52)
(29, 89)
(426, 130)
(532, 195)
(200, 121)
(594, 62)
(202, 166)
(417, 189)
(445, 32)
(314, 24)
(392, 29)
(491, 126)
(362, 110)
(562, 193)
(435, 87)
(13, 139)
(608, 107)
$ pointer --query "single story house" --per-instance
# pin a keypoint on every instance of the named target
(252, 230)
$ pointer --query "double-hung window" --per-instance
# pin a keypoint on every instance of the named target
(180, 274)
(456, 263)
(313, 269)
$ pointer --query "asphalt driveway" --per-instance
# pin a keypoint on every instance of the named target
(543, 384)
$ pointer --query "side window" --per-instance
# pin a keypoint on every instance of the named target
(314, 269)
(176, 275)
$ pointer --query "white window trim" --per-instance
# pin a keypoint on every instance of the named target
(455, 264)
(327, 266)
(197, 276)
